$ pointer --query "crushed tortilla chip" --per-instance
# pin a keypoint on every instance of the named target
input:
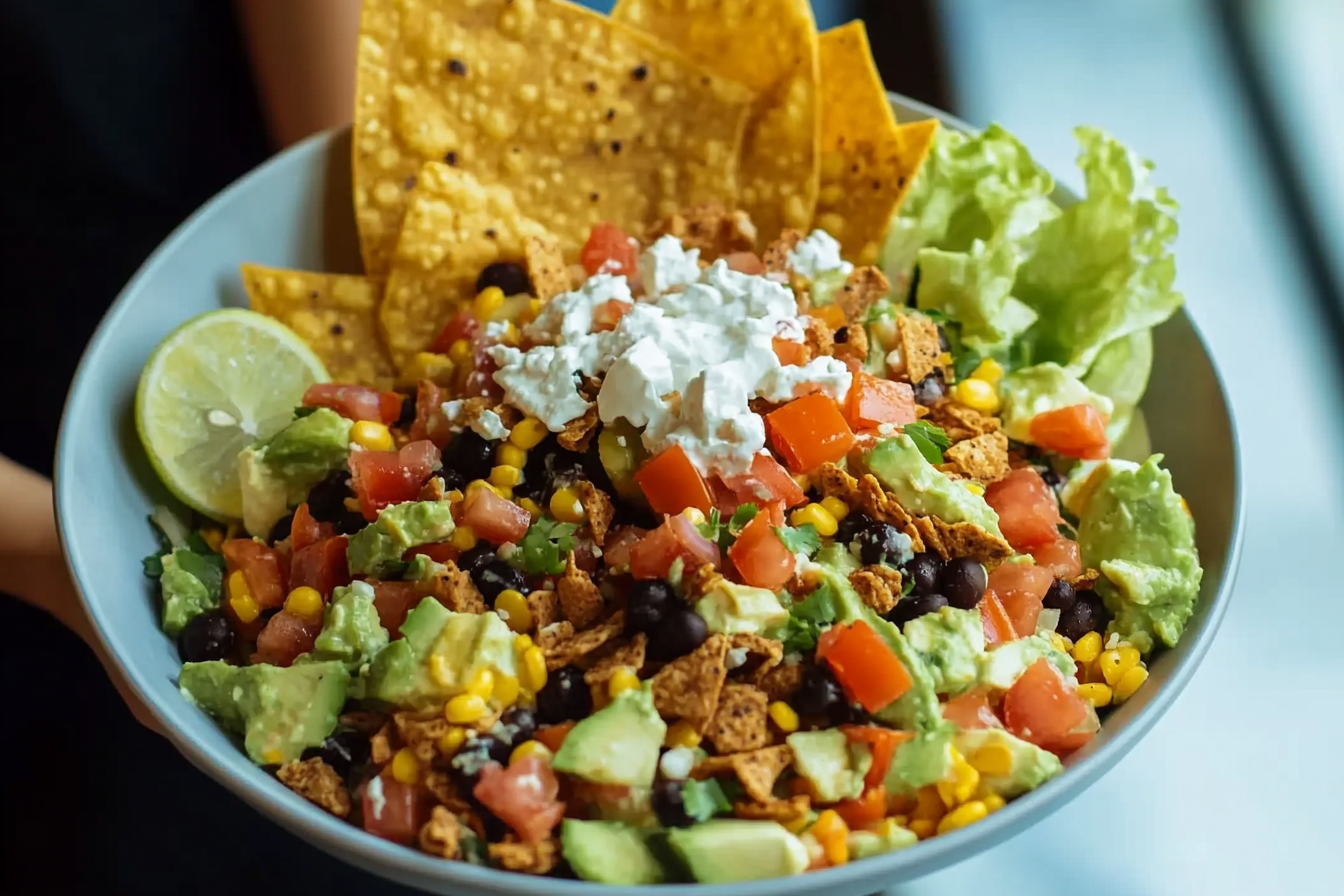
(598, 509)
(786, 812)
(762, 652)
(545, 608)
(380, 745)
(335, 314)
(688, 688)
(920, 347)
(882, 506)
(318, 783)
(818, 337)
(527, 858)
(579, 432)
(415, 728)
(711, 228)
(740, 723)
(582, 118)
(758, 770)
(583, 643)
(440, 785)
(629, 655)
(983, 457)
(961, 422)
(776, 255)
(442, 835)
(550, 637)
(780, 682)
(454, 589)
(580, 599)
(546, 266)
(696, 584)
(432, 490)
(879, 586)
(862, 288)
(962, 539)
(851, 343)
(1085, 580)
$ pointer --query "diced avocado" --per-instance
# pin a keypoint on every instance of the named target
(951, 643)
(1003, 665)
(278, 474)
(731, 609)
(609, 852)
(838, 558)
(620, 447)
(190, 585)
(833, 765)
(352, 632)
(398, 529)
(889, 837)
(266, 497)
(922, 760)
(439, 656)
(730, 850)
(422, 569)
(279, 711)
(618, 744)
(827, 284)
(1035, 390)
(922, 488)
(1032, 766)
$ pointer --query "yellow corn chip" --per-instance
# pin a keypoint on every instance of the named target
(584, 119)
(770, 46)
(336, 314)
(867, 160)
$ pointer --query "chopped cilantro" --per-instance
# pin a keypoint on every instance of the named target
(153, 565)
(744, 514)
(545, 546)
(705, 799)
(800, 636)
(929, 439)
(966, 362)
(806, 619)
(908, 585)
(710, 527)
(803, 540)
(300, 413)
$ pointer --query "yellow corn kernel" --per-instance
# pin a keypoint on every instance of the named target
(961, 786)
(273, 756)
(886, 827)
(837, 508)
(784, 717)
(993, 802)
(463, 538)
(506, 476)
(566, 506)
(923, 828)
(304, 602)
(532, 675)
(464, 709)
(405, 767)
(695, 515)
(681, 734)
(928, 805)
(988, 370)
(1129, 683)
(530, 748)
(832, 833)
(512, 607)
(521, 643)
(455, 496)
(803, 481)
(797, 824)
(478, 484)
(532, 507)
(440, 670)
(818, 516)
(506, 690)
(438, 369)
(244, 605)
(974, 488)
(460, 353)
(963, 815)
(978, 395)
(1116, 662)
(451, 740)
(992, 759)
(352, 505)
(511, 455)
(1185, 506)
(528, 433)
(371, 436)
(1097, 693)
(487, 303)
(622, 680)
(1088, 648)
(1060, 643)
(214, 538)
(482, 684)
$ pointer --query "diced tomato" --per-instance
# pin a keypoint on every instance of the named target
(285, 638)
(767, 482)
(998, 627)
(552, 737)
(524, 796)
(462, 325)
(354, 402)
(1060, 556)
(322, 566)
(971, 710)
(495, 519)
(1041, 708)
(869, 808)
(430, 423)
(831, 315)
(481, 381)
(393, 601)
(383, 478)
(439, 553)
(872, 401)
(745, 263)
(609, 251)
(266, 577)
(1027, 509)
(677, 538)
(397, 812)
(1020, 588)
(1078, 736)
(808, 432)
(1078, 430)
(790, 353)
(607, 315)
(620, 542)
(760, 557)
(883, 743)
(305, 530)
(671, 483)
(866, 667)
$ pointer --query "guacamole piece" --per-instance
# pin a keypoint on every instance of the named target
(729, 850)
(279, 711)
(278, 474)
(440, 654)
(618, 744)
(731, 609)
(924, 759)
(833, 765)
(888, 837)
(921, 488)
(190, 585)
(352, 632)
(609, 852)
(422, 569)
(1002, 666)
(1035, 390)
(951, 643)
(398, 529)
(1031, 766)
(1135, 529)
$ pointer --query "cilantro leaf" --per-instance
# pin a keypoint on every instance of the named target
(803, 540)
(800, 636)
(966, 363)
(710, 528)
(929, 439)
(744, 514)
(300, 413)
(819, 606)
(545, 546)
(704, 799)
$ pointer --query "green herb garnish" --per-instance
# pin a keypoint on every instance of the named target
(929, 439)
(545, 546)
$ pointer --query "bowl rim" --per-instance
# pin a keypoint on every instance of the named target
(413, 868)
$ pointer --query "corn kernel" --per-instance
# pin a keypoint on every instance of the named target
(818, 516)
(506, 690)
(521, 643)
(1060, 643)
(533, 672)
(441, 670)
(512, 607)
(511, 455)
(963, 815)
(214, 538)
(464, 709)
(455, 496)
(695, 515)
(993, 802)
(797, 824)
(1088, 648)
(838, 509)
(532, 507)
(566, 506)
(244, 605)
(305, 603)
(961, 786)
(622, 680)
(478, 484)
(273, 756)
(482, 684)
(988, 370)
(452, 740)
(974, 488)
(784, 717)
(1097, 693)
(352, 505)
(438, 369)
(977, 395)
(1116, 662)
(530, 748)
(460, 353)
(528, 433)
(529, 314)
(682, 734)
(463, 538)
(487, 303)
(928, 805)
(506, 476)
(992, 759)
(405, 767)
(832, 833)
(1129, 683)
(923, 828)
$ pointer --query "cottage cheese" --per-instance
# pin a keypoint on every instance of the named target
(818, 254)
(665, 266)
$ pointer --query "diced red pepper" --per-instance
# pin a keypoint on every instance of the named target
(866, 667)
(609, 250)
(305, 530)
(1078, 430)
(761, 558)
(808, 432)
(671, 483)
(767, 482)
(872, 401)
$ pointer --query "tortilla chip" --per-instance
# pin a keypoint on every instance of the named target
(818, 337)
(699, 582)
(776, 255)
(712, 229)
(544, 606)
(442, 835)
(879, 586)
(760, 769)
(983, 457)
(551, 636)
(771, 47)
(961, 422)
(580, 599)
(851, 343)
(546, 266)
(583, 118)
(455, 590)
(527, 858)
(920, 347)
(1085, 580)
(688, 688)
(862, 288)
(740, 723)
(579, 432)
(787, 812)
(598, 508)
(762, 652)
(577, 646)
(949, 540)
(335, 314)
(780, 682)
(629, 655)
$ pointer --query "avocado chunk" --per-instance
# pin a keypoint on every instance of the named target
(1031, 766)
(190, 585)
(833, 765)
(278, 474)
(733, 609)
(1003, 665)
(279, 711)
(352, 632)
(618, 744)
(1036, 390)
(728, 850)
(398, 529)
(889, 837)
(609, 852)
(951, 643)
(922, 488)
(925, 759)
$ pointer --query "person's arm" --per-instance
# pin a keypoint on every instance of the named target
(303, 60)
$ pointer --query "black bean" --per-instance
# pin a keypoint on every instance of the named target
(280, 531)
(564, 697)
(1060, 597)
(879, 542)
(1050, 477)
(844, 713)
(930, 389)
(680, 631)
(407, 415)
(646, 604)
(206, 636)
(522, 722)
(496, 576)
(350, 522)
(343, 751)
(470, 455)
(510, 276)
(1086, 615)
(962, 582)
(326, 500)
(669, 805)
(474, 560)
(818, 693)
(852, 525)
(452, 480)
(923, 570)
(913, 607)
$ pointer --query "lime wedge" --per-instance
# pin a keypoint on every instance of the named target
(215, 385)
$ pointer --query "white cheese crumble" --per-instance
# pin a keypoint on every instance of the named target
(736, 657)
(666, 265)
(818, 254)
(677, 763)
(490, 427)
(376, 796)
